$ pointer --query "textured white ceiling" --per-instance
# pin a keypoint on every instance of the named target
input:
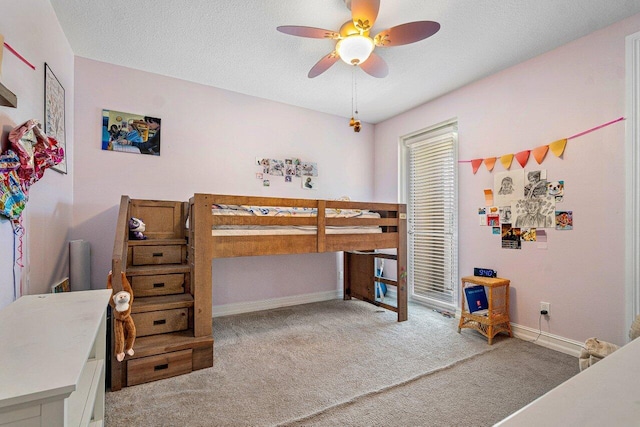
(234, 45)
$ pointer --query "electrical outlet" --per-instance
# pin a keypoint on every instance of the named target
(545, 308)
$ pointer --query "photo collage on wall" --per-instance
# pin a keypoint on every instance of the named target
(289, 169)
(522, 205)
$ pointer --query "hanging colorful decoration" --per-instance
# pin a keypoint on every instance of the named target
(523, 157)
(557, 147)
(539, 153)
(506, 160)
(476, 164)
(490, 162)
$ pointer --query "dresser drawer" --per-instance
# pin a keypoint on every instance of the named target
(160, 322)
(162, 284)
(152, 255)
(157, 367)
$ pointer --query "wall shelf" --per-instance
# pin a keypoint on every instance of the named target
(7, 98)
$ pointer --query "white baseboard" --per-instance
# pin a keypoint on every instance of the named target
(248, 307)
(545, 339)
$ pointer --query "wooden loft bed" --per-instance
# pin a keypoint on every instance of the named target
(171, 272)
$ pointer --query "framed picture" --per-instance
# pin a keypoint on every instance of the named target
(54, 113)
(130, 133)
(62, 286)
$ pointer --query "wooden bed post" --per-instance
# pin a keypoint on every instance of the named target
(201, 223)
(402, 263)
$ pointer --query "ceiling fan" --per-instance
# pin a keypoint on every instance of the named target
(355, 45)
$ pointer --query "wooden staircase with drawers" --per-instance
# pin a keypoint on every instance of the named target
(173, 337)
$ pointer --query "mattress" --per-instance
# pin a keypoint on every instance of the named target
(257, 230)
(243, 210)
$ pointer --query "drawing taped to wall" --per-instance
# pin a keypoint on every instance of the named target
(536, 185)
(537, 212)
(130, 133)
(528, 234)
(505, 214)
(508, 186)
(307, 169)
(510, 237)
(309, 183)
(564, 220)
(556, 189)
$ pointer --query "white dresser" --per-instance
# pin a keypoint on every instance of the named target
(52, 359)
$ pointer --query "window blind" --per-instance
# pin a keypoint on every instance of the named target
(432, 209)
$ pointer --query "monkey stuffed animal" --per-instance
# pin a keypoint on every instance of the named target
(124, 330)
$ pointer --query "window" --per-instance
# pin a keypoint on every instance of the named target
(429, 188)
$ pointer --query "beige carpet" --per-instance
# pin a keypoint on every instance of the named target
(346, 363)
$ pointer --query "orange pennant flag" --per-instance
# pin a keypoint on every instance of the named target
(506, 160)
(490, 163)
(476, 164)
(523, 157)
(558, 146)
(540, 152)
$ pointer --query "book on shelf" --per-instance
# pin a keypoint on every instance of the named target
(476, 298)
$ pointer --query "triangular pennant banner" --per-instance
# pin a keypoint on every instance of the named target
(490, 163)
(558, 146)
(523, 157)
(476, 164)
(506, 160)
(540, 152)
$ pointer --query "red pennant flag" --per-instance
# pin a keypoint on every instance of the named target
(523, 157)
(476, 164)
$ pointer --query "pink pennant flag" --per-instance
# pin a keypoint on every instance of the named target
(476, 164)
(523, 157)
(490, 162)
(557, 147)
(540, 152)
(506, 160)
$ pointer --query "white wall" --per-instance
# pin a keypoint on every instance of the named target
(556, 95)
(31, 27)
(210, 138)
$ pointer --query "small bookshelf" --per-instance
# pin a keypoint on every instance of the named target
(491, 320)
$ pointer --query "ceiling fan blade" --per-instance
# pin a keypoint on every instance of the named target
(364, 13)
(324, 64)
(406, 33)
(311, 32)
(375, 66)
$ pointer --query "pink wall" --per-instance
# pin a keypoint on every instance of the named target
(31, 27)
(553, 96)
(210, 138)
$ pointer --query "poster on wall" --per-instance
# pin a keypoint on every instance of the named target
(130, 133)
(537, 212)
(54, 114)
(507, 187)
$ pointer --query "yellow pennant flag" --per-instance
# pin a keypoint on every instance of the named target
(506, 160)
(490, 162)
(540, 152)
(558, 146)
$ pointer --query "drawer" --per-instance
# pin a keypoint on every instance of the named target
(160, 322)
(151, 255)
(157, 367)
(163, 284)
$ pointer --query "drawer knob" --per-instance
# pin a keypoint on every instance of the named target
(157, 254)
(158, 285)
(161, 367)
(160, 322)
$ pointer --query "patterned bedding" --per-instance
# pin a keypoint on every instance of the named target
(288, 211)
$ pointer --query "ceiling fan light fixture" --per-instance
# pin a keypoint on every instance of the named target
(355, 49)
